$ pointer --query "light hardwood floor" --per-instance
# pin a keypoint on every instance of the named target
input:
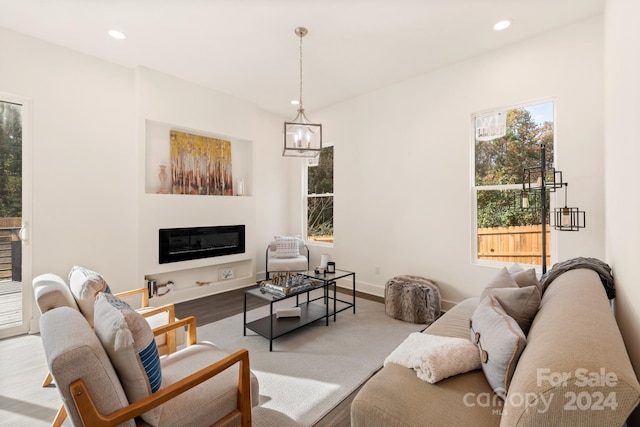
(216, 307)
(10, 303)
(24, 402)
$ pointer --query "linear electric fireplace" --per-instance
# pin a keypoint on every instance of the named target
(181, 244)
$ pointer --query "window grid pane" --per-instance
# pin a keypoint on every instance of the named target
(505, 231)
(319, 201)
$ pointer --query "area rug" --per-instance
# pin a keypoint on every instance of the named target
(312, 369)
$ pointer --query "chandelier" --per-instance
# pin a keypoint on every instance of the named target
(301, 137)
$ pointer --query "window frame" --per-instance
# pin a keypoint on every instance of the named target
(305, 201)
(475, 188)
(27, 214)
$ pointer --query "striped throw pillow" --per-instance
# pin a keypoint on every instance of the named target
(130, 344)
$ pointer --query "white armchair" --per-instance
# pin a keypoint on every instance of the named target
(94, 391)
(51, 292)
(286, 254)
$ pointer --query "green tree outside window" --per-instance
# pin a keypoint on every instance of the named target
(320, 198)
(10, 160)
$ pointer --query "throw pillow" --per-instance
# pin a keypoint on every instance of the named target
(85, 285)
(520, 303)
(526, 278)
(130, 344)
(515, 268)
(500, 343)
(502, 280)
(287, 246)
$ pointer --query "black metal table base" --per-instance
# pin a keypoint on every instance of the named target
(272, 327)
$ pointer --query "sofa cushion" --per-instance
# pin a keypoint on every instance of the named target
(213, 398)
(434, 357)
(520, 303)
(85, 284)
(287, 246)
(130, 344)
(395, 397)
(500, 342)
(501, 280)
(574, 333)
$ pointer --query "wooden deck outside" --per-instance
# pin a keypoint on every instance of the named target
(10, 304)
(10, 277)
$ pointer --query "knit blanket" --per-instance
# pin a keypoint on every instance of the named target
(603, 270)
(434, 357)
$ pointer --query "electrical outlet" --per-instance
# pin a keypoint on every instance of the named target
(377, 269)
(227, 273)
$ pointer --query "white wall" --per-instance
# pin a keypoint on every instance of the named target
(88, 170)
(622, 109)
(264, 210)
(402, 157)
(166, 103)
(402, 153)
(84, 161)
(272, 185)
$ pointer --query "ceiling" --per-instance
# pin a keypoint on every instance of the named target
(248, 49)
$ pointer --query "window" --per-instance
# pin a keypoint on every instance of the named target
(319, 198)
(10, 160)
(505, 143)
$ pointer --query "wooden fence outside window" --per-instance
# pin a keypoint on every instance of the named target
(513, 244)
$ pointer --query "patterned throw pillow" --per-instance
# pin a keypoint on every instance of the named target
(500, 343)
(287, 246)
(85, 285)
(130, 344)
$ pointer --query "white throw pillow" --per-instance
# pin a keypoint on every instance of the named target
(128, 340)
(85, 285)
(287, 246)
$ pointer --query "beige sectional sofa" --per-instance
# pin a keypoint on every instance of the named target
(574, 371)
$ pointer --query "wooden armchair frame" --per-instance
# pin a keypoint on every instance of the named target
(142, 291)
(91, 417)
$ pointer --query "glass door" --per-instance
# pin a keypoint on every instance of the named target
(15, 297)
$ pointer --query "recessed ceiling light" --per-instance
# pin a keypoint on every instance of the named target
(502, 25)
(295, 102)
(119, 35)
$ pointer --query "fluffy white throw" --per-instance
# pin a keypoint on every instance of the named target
(434, 357)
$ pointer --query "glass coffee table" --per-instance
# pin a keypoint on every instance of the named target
(312, 307)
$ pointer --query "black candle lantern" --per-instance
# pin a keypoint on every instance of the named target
(331, 267)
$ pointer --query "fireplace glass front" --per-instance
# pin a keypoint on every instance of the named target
(182, 244)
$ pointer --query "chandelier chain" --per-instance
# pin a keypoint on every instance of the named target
(300, 106)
